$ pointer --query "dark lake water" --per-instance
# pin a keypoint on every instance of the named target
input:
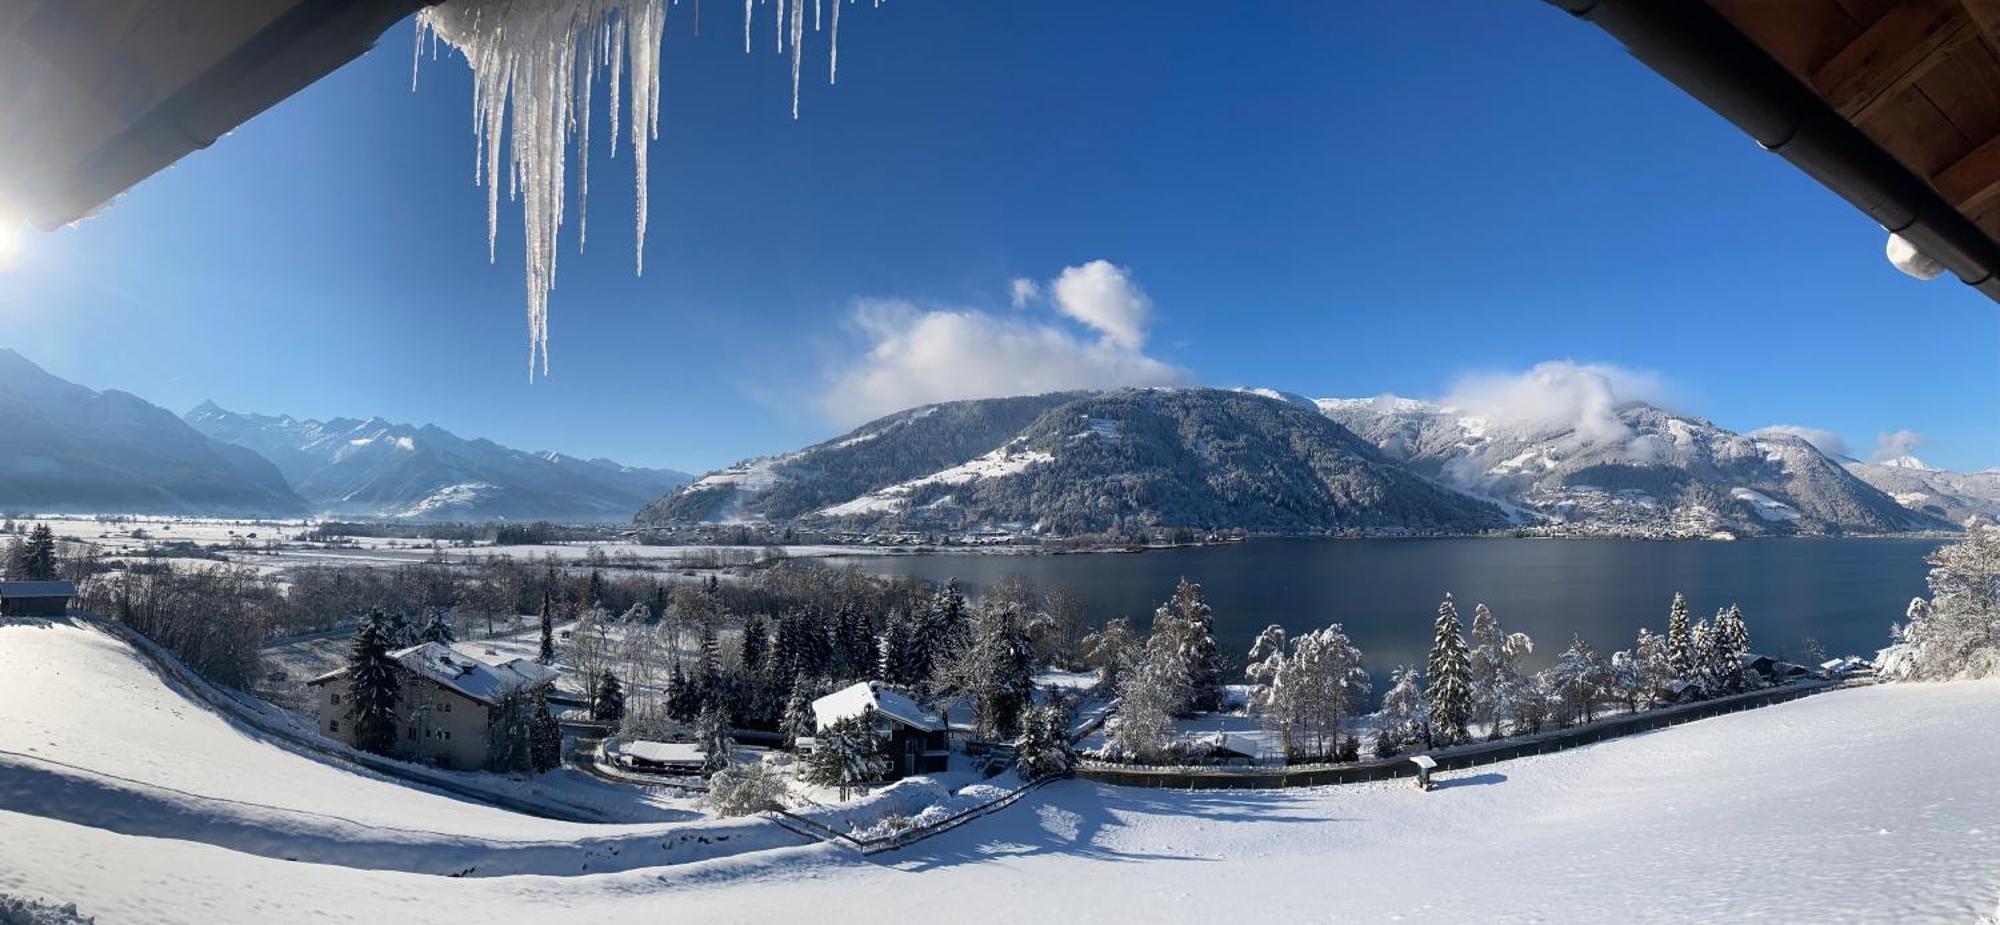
(1844, 592)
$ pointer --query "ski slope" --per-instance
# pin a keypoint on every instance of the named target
(1875, 804)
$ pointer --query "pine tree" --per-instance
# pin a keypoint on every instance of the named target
(1044, 749)
(897, 661)
(683, 701)
(756, 641)
(854, 646)
(438, 628)
(544, 737)
(1404, 719)
(374, 687)
(708, 672)
(38, 554)
(712, 728)
(1185, 626)
(395, 629)
(547, 653)
(1143, 730)
(940, 634)
(607, 703)
(1732, 643)
(799, 722)
(1680, 643)
(1449, 670)
(1702, 651)
(846, 754)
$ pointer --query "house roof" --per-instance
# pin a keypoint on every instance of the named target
(853, 700)
(464, 668)
(665, 752)
(37, 589)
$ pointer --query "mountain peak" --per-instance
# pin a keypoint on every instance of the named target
(1905, 461)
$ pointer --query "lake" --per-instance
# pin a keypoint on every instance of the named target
(1844, 592)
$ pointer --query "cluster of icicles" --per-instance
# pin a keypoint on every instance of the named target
(537, 61)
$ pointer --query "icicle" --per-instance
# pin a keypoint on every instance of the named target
(534, 64)
(833, 47)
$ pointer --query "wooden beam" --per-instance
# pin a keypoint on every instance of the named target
(1891, 55)
(1974, 181)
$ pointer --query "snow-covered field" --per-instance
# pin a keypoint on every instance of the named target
(1863, 805)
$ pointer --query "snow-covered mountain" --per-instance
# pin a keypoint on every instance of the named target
(374, 468)
(1629, 468)
(1080, 462)
(1953, 496)
(67, 448)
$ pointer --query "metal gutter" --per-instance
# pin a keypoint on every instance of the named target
(1695, 48)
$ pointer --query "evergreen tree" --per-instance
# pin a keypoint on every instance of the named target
(1702, 651)
(1450, 673)
(799, 722)
(712, 729)
(38, 555)
(853, 646)
(374, 687)
(756, 641)
(1185, 626)
(1044, 749)
(1579, 679)
(547, 653)
(940, 634)
(1680, 642)
(683, 701)
(395, 629)
(438, 628)
(1111, 650)
(607, 703)
(544, 737)
(1732, 643)
(897, 664)
(1404, 719)
(708, 672)
(1143, 730)
(846, 754)
(995, 671)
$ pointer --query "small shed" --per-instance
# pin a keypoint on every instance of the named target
(35, 598)
(913, 738)
(661, 757)
(1425, 765)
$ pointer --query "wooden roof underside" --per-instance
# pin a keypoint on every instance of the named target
(1920, 78)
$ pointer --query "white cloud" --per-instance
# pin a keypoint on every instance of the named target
(1025, 290)
(1825, 441)
(917, 356)
(1560, 394)
(1103, 296)
(1898, 443)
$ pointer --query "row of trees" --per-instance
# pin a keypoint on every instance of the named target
(1955, 633)
(1482, 685)
(1176, 671)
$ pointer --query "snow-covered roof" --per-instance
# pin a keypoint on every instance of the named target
(37, 589)
(851, 701)
(462, 667)
(1424, 761)
(664, 752)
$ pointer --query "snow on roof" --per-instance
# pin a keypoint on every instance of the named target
(1424, 761)
(37, 589)
(462, 668)
(851, 701)
(665, 752)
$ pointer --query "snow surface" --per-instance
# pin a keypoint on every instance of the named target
(1860, 805)
(1000, 463)
(855, 699)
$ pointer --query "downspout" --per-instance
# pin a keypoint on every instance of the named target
(1699, 51)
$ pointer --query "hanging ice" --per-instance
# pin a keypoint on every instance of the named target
(534, 62)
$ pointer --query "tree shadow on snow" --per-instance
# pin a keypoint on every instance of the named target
(1476, 780)
(1068, 819)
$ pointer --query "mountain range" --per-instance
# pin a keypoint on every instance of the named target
(1277, 462)
(65, 448)
(345, 467)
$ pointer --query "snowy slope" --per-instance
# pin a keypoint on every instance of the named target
(89, 733)
(1861, 805)
(377, 468)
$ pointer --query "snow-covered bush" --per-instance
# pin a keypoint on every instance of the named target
(740, 791)
(1956, 633)
(17, 911)
(1045, 747)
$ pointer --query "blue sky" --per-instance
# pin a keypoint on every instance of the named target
(1388, 199)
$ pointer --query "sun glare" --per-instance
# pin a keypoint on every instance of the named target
(10, 241)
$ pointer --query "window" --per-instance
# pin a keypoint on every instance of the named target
(336, 699)
(333, 725)
(413, 733)
(444, 734)
(444, 706)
